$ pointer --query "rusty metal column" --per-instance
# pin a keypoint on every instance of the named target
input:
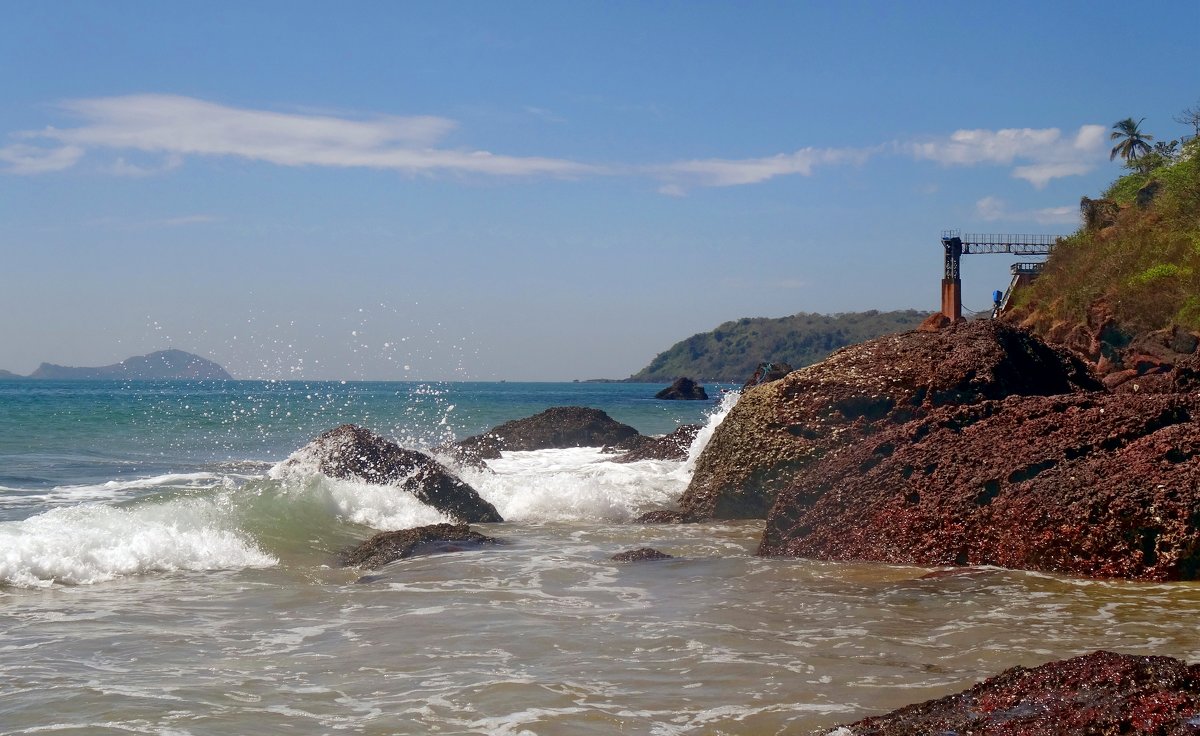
(951, 281)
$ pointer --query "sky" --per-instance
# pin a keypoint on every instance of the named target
(534, 190)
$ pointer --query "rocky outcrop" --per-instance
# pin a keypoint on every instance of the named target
(1103, 693)
(558, 427)
(673, 446)
(1094, 485)
(767, 372)
(351, 452)
(641, 554)
(683, 389)
(387, 547)
(780, 428)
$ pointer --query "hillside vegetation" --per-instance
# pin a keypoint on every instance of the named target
(1137, 256)
(731, 352)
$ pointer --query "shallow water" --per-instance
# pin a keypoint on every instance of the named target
(545, 635)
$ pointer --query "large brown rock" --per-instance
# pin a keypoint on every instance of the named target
(1095, 485)
(387, 547)
(778, 429)
(1101, 694)
(557, 427)
(352, 452)
(683, 389)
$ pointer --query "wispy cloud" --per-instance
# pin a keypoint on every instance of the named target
(678, 177)
(25, 159)
(994, 209)
(1039, 155)
(149, 134)
(174, 126)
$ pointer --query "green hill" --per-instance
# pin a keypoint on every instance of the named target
(1135, 263)
(731, 352)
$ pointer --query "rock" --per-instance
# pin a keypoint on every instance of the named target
(665, 516)
(349, 451)
(1093, 485)
(934, 322)
(640, 555)
(684, 389)
(387, 547)
(778, 429)
(558, 427)
(1102, 693)
(767, 372)
(673, 446)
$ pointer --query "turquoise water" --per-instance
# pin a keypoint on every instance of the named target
(55, 433)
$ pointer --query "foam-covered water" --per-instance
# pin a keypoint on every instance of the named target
(155, 584)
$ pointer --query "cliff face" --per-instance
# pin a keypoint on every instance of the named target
(1096, 485)
(161, 365)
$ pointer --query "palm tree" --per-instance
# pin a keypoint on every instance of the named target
(1133, 142)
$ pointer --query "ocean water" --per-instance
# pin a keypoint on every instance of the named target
(159, 575)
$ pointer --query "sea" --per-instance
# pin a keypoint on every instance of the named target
(159, 575)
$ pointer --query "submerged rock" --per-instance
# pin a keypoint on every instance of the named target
(387, 547)
(673, 446)
(1096, 485)
(351, 452)
(1102, 693)
(641, 554)
(683, 389)
(557, 427)
(780, 428)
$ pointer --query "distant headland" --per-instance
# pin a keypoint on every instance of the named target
(160, 365)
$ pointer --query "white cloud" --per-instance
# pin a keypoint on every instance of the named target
(25, 159)
(148, 134)
(176, 126)
(1041, 154)
(993, 209)
(679, 176)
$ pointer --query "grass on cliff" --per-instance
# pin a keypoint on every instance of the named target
(1143, 261)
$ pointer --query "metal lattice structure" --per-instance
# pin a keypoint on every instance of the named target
(956, 245)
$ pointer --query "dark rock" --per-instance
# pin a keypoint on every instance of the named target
(640, 555)
(1096, 485)
(387, 547)
(1146, 195)
(683, 389)
(558, 427)
(1102, 693)
(767, 372)
(352, 452)
(673, 446)
(1098, 213)
(665, 516)
(778, 429)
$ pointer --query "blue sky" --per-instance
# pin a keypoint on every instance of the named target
(534, 191)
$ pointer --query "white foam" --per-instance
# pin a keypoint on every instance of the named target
(115, 490)
(92, 543)
(718, 414)
(583, 484)
(384, 507)
(577, 484)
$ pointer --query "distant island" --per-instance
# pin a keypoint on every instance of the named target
(160, 365)
(731, 352)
